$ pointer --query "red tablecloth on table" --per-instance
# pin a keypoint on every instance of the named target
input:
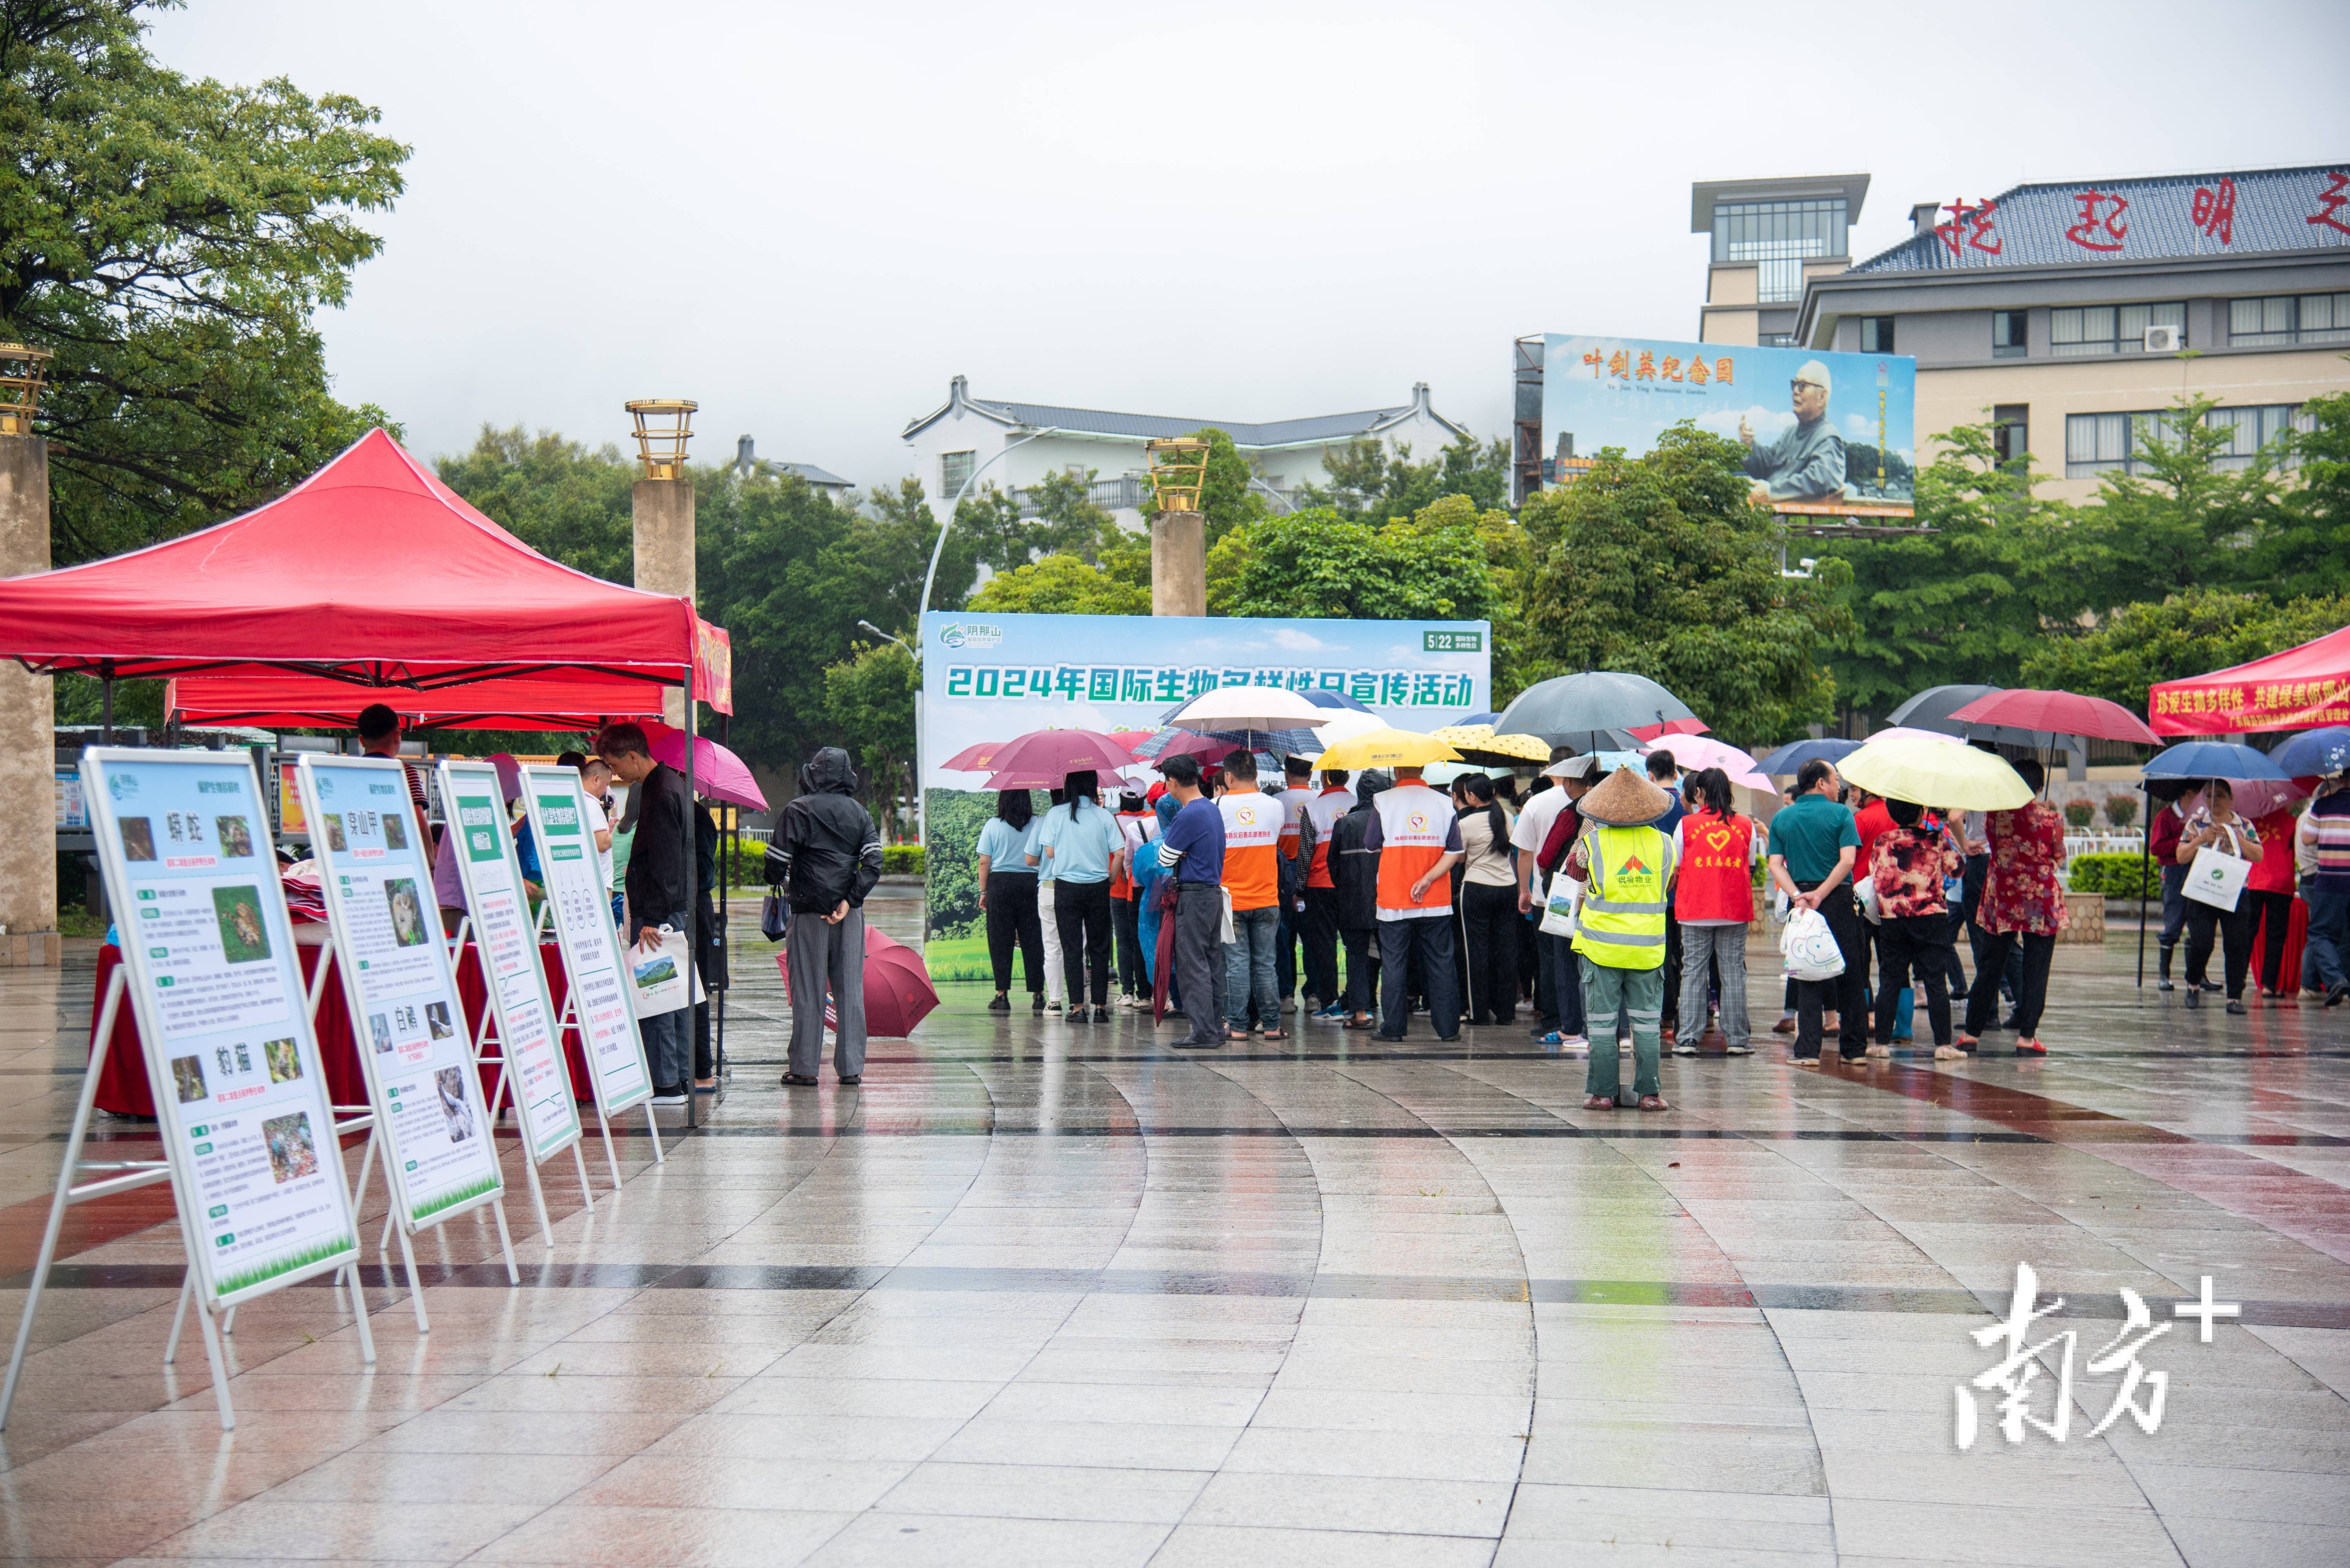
(123, 1087)
(2296, 936)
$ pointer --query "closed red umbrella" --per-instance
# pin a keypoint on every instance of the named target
(897, 990)
(2058, 712)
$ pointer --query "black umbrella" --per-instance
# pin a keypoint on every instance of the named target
(1588, 711)
(1931, 710)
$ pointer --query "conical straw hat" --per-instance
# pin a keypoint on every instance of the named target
(1625, 800)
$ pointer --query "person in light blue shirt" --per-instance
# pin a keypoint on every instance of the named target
(1081, 842)
(1007, 895)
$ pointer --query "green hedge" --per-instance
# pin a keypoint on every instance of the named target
(2116, 876)
(901, 860)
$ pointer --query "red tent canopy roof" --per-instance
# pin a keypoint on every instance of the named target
(371, 572)
(2302, 688)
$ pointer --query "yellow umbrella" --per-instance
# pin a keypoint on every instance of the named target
(1478, 743)
(1386, 748)
(1929, 771)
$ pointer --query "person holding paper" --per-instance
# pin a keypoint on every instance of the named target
(378, 729)
(827, 854)
(2218, 828)
(659, 887)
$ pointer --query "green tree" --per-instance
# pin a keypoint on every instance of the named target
(2184, 522)
(1228, 499)
(2187, 634)
(1068, 584)
(989, 528)
(568, 504)
(1662, 565)
(1318, 564)
(168, 240)
(954, 818)
(870, 697)
(2304, 546)
(1067, 522)
(1373, 481)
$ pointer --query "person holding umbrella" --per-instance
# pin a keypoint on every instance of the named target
(827, 855)
(2217, 826)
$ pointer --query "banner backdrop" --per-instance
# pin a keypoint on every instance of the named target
(991, 677)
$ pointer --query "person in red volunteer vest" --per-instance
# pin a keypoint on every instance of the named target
(1713, 903)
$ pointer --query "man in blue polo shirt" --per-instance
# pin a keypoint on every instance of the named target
(1814, 841)
(1193, 845)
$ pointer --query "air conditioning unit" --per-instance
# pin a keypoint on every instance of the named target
(2165, 339)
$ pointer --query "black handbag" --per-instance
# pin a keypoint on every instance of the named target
(774, 918)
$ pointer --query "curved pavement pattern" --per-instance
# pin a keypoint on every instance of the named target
(1043, 1292)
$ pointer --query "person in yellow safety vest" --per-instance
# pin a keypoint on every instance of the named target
(1626, 868)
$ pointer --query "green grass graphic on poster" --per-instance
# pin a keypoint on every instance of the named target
(453, 1198)
(244, 1279)
(956, 949)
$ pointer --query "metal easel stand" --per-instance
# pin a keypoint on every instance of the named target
(132, 1175)
(484, 1037)
(570, 1021)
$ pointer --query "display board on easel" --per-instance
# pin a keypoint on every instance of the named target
(210, 968)
(580, 908)
(519, 1018)
(440, 1156)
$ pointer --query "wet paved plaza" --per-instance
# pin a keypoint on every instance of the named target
(1043, 1292)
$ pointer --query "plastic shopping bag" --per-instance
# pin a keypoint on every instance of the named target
(1809, 946)
(658, 967)
(1865, 893)
(1560, 911)
(2216, 877)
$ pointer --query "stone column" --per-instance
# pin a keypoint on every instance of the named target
(664, 512)
(1178, 564)
(29, 844)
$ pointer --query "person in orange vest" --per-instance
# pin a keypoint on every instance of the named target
(1417, 837)
(1254, 847)
(1713, 900)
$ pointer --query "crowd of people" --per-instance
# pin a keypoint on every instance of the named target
(1616, 903)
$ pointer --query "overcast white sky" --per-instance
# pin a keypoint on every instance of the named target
(809, 217)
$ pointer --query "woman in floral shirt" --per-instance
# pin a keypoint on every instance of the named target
(2218, 827)
(1911, 860)
(2022, 903)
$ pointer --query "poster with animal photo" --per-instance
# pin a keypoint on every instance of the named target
(243, 939)
(236, 838)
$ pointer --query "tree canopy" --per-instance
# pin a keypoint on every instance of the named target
(2187, 634)
(168, 240)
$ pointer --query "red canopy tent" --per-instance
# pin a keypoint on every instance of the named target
(2302, 688)
(369, 578)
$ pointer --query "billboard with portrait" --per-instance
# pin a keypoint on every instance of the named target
(1826, 435)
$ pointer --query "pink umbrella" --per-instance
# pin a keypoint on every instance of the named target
(974, 759)
(1670, 727)
(1694, 752)
(897, 990)
(2059, 712)
(718, 774)
(1056, 754)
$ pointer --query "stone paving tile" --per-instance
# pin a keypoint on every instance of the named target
(1044, 1294)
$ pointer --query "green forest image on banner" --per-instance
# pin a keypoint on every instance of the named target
(993, 677)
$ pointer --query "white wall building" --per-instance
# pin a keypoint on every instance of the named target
(960, 437)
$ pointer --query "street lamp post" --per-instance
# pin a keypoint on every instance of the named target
(922, 815)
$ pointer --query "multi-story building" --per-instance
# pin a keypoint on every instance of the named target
(1012, 445)
(2069, 315)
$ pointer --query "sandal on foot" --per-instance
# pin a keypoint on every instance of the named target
(799, 1080)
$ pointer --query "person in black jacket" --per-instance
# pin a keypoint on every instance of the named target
(1355, 872)
(659, 885)
(826, 855)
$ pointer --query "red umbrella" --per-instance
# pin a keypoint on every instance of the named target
(975, 759)
(897, 990)
(1652, 732)
(2058, 712)
(1056, 754)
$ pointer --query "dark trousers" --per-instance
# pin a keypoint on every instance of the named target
(2174, 915)
(2271, 914)
(2031, 993)
(1284, 949)
(1561, 980)
(1322, 944)
(1081, 909)
(1914, 949)
(1012, 922)
(1844, 991)
(1672, 975)
(1429, 937)
(1362, 994)
(1125, 918)
(1198, 919)
(1489, 915)
(2233, 927)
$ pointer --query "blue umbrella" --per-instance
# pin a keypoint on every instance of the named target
(1791, 758)
(1476, 719)
(1334, 700)
(2314, 751)
(1275, 743)
(2212, 760)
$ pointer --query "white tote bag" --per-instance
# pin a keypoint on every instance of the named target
(658, 967)
(1809, 946)
(2217, 879)
(1563, 910)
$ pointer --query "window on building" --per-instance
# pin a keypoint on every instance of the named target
(2007, 334)
(954, 472)
(2102, 443)
(1775, 340)
(1876, 335)
(2110, 328)
(1779, 236)
(2289, 319)
(2011, 431)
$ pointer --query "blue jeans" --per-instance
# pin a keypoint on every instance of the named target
(668, 1036)
(2326, 959)
(1249, 994)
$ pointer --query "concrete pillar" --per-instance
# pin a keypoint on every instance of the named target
(1178, 564)
(663, 514)
(28, 844)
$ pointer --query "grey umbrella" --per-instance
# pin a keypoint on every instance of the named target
(1585, 711)
(1931, 710)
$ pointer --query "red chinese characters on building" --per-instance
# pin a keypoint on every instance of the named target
(1595, 358)
(2215, 210)
(2099, 229)
(1648, 370)
(1970, 227)
(2335, 196)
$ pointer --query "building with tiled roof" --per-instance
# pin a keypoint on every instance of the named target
(2068, 314)
(1014, 444)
